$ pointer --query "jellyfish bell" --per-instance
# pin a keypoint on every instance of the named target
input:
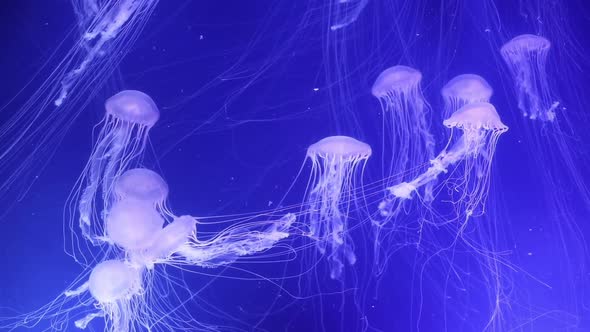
(339, 146)
(133, 225)
(465, 89)
(167, 241)
(113, 280)
(141, 184)
(525, 43)
(476, 116)
(133, 106)
(396, 78)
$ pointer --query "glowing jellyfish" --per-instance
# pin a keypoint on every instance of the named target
(406, 136)
(133, 224)
(335, 163)
(142, 184)
(481, 127)
(129, 117)
(345, 12)
(465, 89)
(526, 57)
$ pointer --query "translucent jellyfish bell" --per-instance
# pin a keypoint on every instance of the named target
(113, 280)
(481, 127)
(335, 163)
(141, 184)
(396, 79)
(133, 225)
(465, 89)
(120, 145)
(526, 57)
(133, 107)
(407, 142)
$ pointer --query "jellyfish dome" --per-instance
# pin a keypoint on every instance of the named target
(476, 116)
(141, 184)
(526, 43)
(113, 280)
(339, 147)
(133, 225)
(465, 89)
(133, 106)
(396, 78)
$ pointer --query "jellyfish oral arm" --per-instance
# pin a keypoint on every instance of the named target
(438, 165)
(232, 244)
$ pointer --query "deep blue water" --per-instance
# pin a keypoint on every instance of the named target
(243, 89)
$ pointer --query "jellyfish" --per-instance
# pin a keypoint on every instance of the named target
(480, 127)
(142, 184)
(336, 161)
(120, 145)
(345, 12)
(406, 136)
(526, 57)
(465, 89)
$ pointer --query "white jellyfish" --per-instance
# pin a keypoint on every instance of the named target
(345, 12)
(121, 142)
(526, 57)
(336, 161)
(465, 89)
(407, 142)
(473, 150)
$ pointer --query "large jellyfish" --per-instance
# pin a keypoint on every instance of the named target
(526, 57)
(406, 136)
(465, 89)
(336, 160)
(129, 117)
(480, 127)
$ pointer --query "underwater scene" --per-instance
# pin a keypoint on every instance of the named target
(307, 165)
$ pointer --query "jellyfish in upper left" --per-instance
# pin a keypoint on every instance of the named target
(336, 163)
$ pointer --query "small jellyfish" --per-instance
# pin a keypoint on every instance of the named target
(465, 89)
(144, 185)
(336, 161)
(526, 57)
(345, 12)
(407, 142)
(121, 142)
(133, 225)
(481, 127)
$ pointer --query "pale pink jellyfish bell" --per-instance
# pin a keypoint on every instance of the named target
(396, 79)
(525, 43)
(141, 184)
(113, 280)
(343, 147)
(475, 117)
(465, 89)
(134, 107)
(133, 225)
